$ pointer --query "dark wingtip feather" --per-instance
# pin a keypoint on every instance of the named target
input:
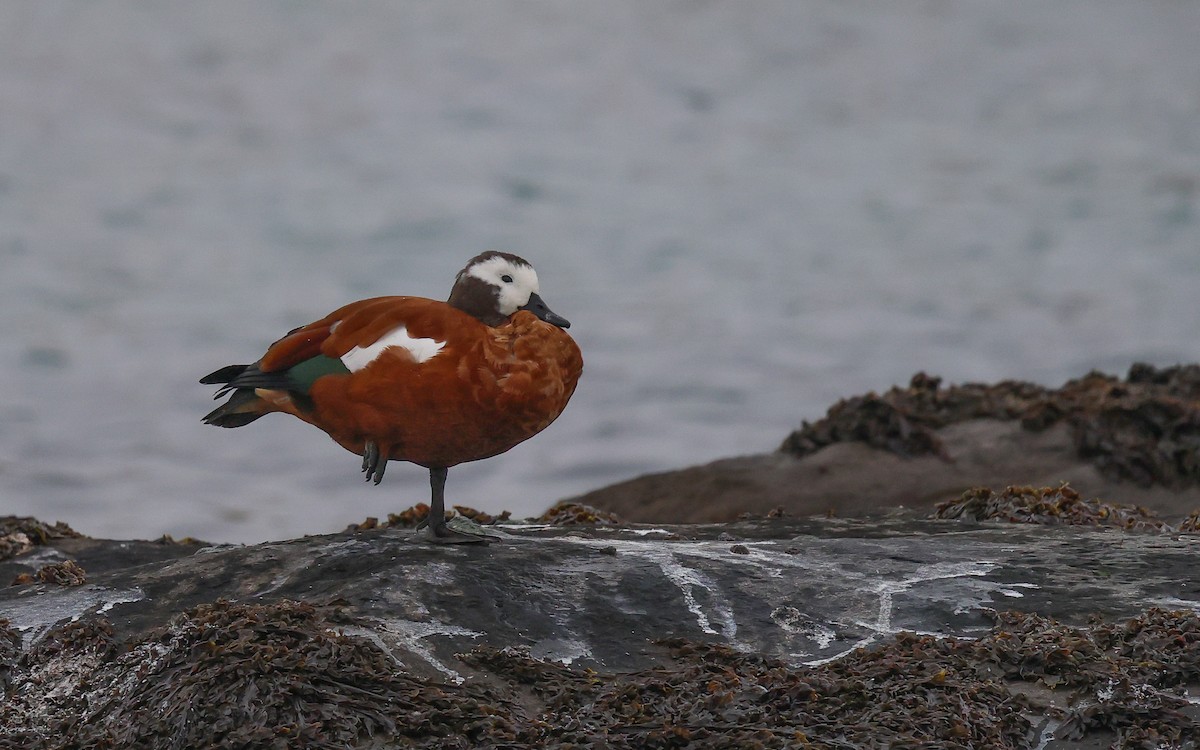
(242, 408)
(224, 375)
(217, 419)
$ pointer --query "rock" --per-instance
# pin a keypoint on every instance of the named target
(66, 573)
(1134, 441)
(898, 630)
(19, 534)
(1049, 505)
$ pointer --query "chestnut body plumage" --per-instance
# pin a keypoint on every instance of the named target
(413, 379)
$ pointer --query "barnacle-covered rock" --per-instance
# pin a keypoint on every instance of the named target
(1047, 505)
(1191, 524)
(578, 514)
(19, 534)
(1144, 429)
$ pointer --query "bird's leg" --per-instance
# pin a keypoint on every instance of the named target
(374, 464)
(437, 531)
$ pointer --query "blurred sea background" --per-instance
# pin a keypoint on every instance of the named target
(747, 210)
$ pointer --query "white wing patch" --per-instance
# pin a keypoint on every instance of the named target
(422, 350)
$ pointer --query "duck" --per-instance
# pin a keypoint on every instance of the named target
(432, 383)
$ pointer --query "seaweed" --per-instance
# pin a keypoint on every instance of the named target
(1144, 429)
(282, 675)
(228, 675)
(1047, 505)
(1191, 524)
(10, 651)
(409, 518)
(66, 573)
(561, 514)
(577, 514)
(19, 534)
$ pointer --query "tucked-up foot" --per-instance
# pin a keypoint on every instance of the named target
(442, 534)
(373, 463)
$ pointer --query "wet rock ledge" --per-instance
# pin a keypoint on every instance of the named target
(898, 631)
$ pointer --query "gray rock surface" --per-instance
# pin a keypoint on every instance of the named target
(802, 591)
(1132, 440)
(854, 479)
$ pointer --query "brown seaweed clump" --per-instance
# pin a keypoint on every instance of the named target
(561, 514)
(903, 694)
(409, 518)
(1047, 505)
(412, 517)
(187, 541)
(236, 676)
(578, 514)
(1144, 429)
(1134, 673)
(10, 650)
(282, 676)
(1191, 524)
(66, 573)
(1121, 682)
(19, 534)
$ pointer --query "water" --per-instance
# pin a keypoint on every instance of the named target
(746, 210)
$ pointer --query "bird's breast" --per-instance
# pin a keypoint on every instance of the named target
(472, 397)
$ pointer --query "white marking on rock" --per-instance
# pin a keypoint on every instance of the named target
(561, 650)
(794, 621)
(410, 636)
(421, 349)
(39, 556)
(357, 631)
(704, 599)
(35, 616)
(1176, 603)
(284, 576)
(334, 549)
(924, 573)
(687, 579)
(1047, 735)
(133, 595)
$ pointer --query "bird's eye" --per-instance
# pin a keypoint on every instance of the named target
(506, 279)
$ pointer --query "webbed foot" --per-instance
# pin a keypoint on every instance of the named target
(441, 533)
(436, 530)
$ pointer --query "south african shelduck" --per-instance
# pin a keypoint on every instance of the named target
(413, 379)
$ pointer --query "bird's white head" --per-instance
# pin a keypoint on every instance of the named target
(513, 277)
(494, 285)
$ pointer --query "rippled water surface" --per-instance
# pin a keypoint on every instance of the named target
(747, 210)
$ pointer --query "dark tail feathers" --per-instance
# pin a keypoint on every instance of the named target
(226, 374)
(244, 406)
